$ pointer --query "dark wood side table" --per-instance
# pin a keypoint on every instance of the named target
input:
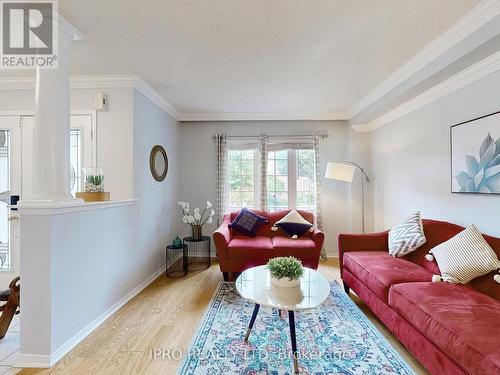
(177, 261)
(198, 253)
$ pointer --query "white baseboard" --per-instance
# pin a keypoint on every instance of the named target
(45, 361)
(32, 361)
(332, 254)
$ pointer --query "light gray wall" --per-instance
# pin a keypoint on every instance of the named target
(411, 162)
(198, 165)
(94, 259)
(158, 215)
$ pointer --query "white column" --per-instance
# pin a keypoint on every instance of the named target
(51, 164)
(39, 226)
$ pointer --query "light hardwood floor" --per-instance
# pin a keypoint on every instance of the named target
(164, 315)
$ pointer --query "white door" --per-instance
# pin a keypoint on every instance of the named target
(17, 140)
(10, 184)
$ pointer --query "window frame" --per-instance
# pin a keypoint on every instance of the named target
(256, 182)
(292, 183)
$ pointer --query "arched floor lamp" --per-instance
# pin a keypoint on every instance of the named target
(344, 171)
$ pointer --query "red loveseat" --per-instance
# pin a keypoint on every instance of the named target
(450, 328)
(237, 252)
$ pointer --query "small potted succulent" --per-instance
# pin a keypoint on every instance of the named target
(285, 271)
(94, 180)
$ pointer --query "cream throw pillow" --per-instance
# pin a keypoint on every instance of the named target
(465, 257)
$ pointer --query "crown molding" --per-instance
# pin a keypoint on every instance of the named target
(98, 82)
(68, 28)
(478, 17)
(144, 88)
(467, 76)
(361, 128)
(263, 116)
(17, 83)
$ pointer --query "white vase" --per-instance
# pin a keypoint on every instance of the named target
(285, 282)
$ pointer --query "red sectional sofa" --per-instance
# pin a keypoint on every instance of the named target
(450, 328)
(237, 252)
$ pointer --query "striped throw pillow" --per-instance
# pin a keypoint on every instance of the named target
(465, 257)
(407, 236)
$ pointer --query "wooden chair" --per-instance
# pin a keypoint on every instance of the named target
(10, 308)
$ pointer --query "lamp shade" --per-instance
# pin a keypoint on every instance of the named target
(340, 172)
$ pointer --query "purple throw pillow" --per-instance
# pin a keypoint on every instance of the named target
(247, 222)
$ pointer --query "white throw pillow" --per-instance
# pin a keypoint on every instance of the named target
(465, 257)
(407, 236)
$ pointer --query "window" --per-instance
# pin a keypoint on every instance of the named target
(75, 156)
(277, 180)
(242, 179)
(306, 186)
(5, 162)
(290, 179)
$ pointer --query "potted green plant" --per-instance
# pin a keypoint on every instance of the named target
(285, 271)
(94, 180)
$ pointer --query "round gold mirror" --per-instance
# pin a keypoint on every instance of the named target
(158, 163)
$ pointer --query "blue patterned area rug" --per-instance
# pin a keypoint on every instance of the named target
(336, 338)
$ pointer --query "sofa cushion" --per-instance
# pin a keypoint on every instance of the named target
(406, 236)
(242, 247)
(302, 247)
(293, 224)
(247, 222)
(273, 217)
(465, 257)
(462, 322)
(378, 270)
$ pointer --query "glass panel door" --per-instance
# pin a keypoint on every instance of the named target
(5, 166)
(10, 184)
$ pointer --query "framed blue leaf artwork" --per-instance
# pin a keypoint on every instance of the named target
(475, 155)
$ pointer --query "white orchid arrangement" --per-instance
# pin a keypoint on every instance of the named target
(198, 217)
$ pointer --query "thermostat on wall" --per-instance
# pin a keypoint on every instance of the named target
(101, 102)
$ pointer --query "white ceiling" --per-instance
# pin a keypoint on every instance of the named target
(258, 56)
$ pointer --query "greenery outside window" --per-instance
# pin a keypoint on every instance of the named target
(290, 179)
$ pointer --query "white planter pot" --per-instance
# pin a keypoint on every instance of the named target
(285, 282)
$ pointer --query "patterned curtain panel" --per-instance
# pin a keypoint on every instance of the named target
(221, 149)
(317, 169)
(263, 172)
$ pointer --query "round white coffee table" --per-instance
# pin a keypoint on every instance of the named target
(255, 285)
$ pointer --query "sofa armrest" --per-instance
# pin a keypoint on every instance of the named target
(222, 237)
(362, 242)
(318, 237)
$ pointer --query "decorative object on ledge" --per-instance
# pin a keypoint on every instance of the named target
(176, 260)
(345, 172)
(93, 197)
(285, 271)
(158, 163)
(94, 180)
(198, 219)
(198, 253)
(475, 155)
(177, 242)
(93, 186)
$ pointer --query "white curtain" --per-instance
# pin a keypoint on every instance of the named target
(263, 172)
(317, 174)
(221, 149)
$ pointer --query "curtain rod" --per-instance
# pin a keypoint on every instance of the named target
(322, 136)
